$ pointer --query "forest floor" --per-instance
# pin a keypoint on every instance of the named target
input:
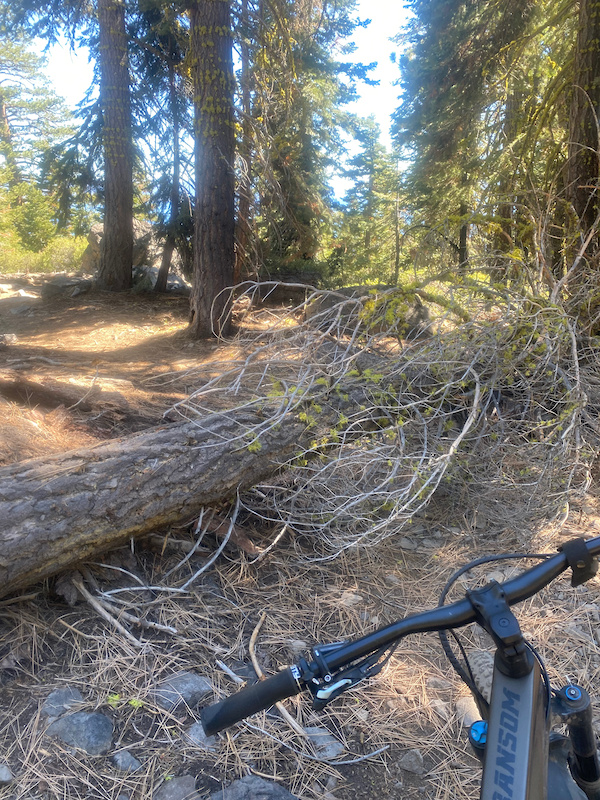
(75, 371)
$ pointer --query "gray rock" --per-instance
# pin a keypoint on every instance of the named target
(407, 544)
(183, 788)
(253, 788)
(197, 736)
(412, 761)
(91, 732)
(6, 775)
(182, 688)
(60, 701)
(327, 746)
(64, 286)
(124, 761)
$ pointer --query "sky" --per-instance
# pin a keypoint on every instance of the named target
(71, 73)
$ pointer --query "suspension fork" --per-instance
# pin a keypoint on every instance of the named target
(573, 705)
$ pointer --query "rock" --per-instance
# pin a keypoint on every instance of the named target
(183, 788)
(327, 746)
(391, 579)
(407, 544)
(64, 286)
(439, 683)
(144, 280)
(467, 711)
(181, 689)
(441, 708)
(6, 775)
(412, 761)
(197, 736)
(124, 761)
(298, 646)
(6, 339)
(350, 599)
(60, 701)
(252, 788)
(91, 732)
(146, 257)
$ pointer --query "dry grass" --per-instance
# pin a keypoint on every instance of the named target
(45, 644)
(410, 705)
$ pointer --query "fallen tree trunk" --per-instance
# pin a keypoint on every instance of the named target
(61, 510)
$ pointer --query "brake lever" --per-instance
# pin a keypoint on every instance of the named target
(324, 692)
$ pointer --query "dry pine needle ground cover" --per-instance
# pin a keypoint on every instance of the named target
(125, 360)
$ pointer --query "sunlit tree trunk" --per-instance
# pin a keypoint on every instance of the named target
(214, 229)
(115, 102)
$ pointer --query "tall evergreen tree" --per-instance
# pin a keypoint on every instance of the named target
(214, 216)
(115, 271)
(582, 174)
(452, 57)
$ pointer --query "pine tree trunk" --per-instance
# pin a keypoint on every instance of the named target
(117, 242)
(214, 229)
(63, 509)
(583, 164)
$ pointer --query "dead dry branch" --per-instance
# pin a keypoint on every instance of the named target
(497, 412)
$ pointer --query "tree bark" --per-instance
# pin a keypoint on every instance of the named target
(214, 152)
(58, 511)
(117, 242)
(583, 164)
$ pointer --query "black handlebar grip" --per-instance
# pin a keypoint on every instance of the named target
(249, 701)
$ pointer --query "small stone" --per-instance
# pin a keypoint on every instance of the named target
(182, 688)
(439, 683)
(252, 788)
(407, 544)
(183, 788)
(126, 762)
(391, 579)
(197, 736)
(60, 701)
(6, 775)
(326, 745)
(298, 646)
(91, 732)
(467, 711)
(441, 708)
(429, 544)
(412, 761)
(350, 599)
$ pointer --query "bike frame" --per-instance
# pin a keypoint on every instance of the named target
(516, 751)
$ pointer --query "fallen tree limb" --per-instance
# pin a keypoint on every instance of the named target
(58, 511)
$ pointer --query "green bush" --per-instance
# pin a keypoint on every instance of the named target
(61, 254)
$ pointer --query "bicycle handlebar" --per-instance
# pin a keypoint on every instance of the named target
(249, 701)
(293, 680)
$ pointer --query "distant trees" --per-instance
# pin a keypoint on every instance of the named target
(271, 134)
(500, 123)
(32, 120)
